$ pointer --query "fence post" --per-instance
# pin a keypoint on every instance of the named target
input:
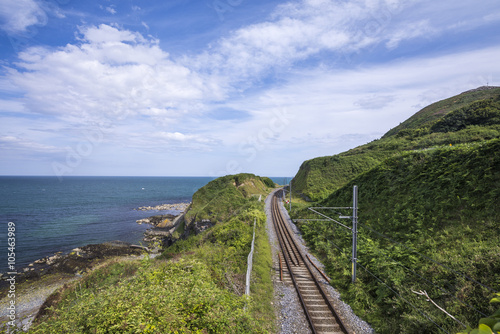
(354, 231)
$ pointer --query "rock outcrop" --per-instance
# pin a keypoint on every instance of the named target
(164, 207)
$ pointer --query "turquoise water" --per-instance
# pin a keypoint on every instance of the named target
(52, 216)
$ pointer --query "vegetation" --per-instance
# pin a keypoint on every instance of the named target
(317, 177)
(196, 286)
(428, 238)
(473, 116)
(489, 325)
(437, 204)
(437, 110)
(429, 218)
(224, 197)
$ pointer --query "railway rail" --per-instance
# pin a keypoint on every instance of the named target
(317, 306)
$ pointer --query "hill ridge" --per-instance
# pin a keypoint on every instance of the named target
(471, 116)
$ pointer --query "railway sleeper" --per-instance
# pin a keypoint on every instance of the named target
(313, 308)
(324, 329)
(314, 299)
(316, 313)
(302, 276)
(330, 322)
(311, 293)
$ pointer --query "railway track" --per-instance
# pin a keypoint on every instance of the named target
(317, 306)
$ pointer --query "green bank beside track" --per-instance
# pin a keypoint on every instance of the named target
(195, 286)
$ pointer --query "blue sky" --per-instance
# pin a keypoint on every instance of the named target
(215, 87)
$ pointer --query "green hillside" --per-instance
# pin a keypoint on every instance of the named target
(429, 218)
(225, 196)
(196, 286)
(440, 204)
(318, 177)
(437, 110)
(472, 116)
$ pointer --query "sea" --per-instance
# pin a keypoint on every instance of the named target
(57, 215)
(51, 215)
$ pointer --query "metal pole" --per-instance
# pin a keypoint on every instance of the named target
(290, 195)
(284, 189)
(354, 231)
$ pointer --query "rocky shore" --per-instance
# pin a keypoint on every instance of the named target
(158, 221)
(163, 233)
(43, 276)
(75, 262)
(162, 207)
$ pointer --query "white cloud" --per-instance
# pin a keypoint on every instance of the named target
(21, 144)
(111, 74)
(374, 101)
(17, 15)
(299, 31)
(177, 136)
(410, 31)
(327, 104)
(295, 32)
(12, 106)
(493, 17)
(107, 34)
(111, 10)
(148, 101)
(114, 72)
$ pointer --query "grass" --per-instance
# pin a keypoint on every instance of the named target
(224, 197)
(440, 204)
(196, 286)
(469, 117)
(428, 189)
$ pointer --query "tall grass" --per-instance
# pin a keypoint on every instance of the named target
(196, 286)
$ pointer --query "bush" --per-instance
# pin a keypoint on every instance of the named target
(441, 203)
(175, 297)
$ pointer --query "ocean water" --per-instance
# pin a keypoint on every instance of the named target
(52, 215)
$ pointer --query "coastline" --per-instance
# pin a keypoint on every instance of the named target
(157, 222)
(36, 282)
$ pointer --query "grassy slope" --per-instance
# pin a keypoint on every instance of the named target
(439, 199)
(443, 203)
(195, 287)
(437, 110)
(225, 196)
(318, 177)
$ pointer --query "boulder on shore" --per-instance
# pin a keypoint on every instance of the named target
(161, 221)
(162, 207)
(78, 260)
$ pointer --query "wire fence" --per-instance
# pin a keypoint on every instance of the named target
(249, 263)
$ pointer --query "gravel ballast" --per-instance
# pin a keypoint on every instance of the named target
(289, 313)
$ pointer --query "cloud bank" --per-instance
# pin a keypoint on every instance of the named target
(339, 74)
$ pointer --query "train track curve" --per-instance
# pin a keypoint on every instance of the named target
(318, 309)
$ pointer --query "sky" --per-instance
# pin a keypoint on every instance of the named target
(216, 87)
